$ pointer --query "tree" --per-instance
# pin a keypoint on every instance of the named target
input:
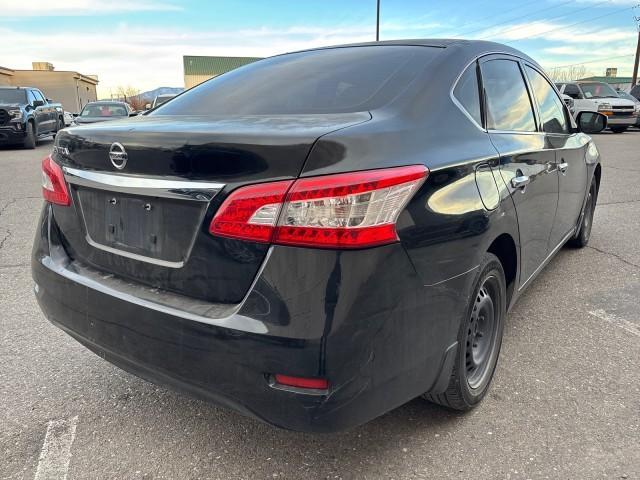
(132, 96)
(568, 73)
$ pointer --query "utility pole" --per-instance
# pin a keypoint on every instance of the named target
(378, 23)
(634, 79)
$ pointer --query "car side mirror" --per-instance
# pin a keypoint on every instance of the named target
(74, 115)
(147, 106)
(591, 122)
(49, 100)
(38, 103)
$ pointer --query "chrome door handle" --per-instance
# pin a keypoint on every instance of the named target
(563, 167)
(520, 181)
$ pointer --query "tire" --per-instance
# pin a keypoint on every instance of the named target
(479, 339)
(30, 137)
(618, 129)
(60, 125)
(581, 238)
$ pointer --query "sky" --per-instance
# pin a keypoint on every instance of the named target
(140, 43)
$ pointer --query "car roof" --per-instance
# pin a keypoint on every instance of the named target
(107, 102)
(472, 48)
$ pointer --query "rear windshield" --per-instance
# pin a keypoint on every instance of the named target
(336, 80)
(104, 110)
(12, 96)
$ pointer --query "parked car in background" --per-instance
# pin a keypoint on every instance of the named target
(68, 118)
(320, 248)
(103, 111)
(160, 99)
(636, 102)
(26, 114)
(601, 97)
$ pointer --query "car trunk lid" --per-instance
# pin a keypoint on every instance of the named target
(144, 191)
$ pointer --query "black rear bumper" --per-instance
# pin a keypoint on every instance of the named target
(363, 320)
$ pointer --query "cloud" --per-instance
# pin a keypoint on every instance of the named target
(48, 8)
(146, 58)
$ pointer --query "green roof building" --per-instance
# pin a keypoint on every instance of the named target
(198, 69)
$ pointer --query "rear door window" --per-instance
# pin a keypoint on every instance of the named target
(468, 94)
(508, 106)
(550, 106)
(334, 80)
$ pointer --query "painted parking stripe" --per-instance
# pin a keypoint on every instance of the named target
(56, 450)
(617, 321)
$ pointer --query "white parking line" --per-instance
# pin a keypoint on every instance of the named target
(56, 450)
(617, 321)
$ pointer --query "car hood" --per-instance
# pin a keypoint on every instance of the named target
(618, 102)
(9, 105)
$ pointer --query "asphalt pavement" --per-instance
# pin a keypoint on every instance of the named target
(565, 401)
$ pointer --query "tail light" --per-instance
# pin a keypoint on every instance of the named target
(348, 210)
(54, 187)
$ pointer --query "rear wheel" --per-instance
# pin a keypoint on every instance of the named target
(479, 340)
(581, 238)
(30, 136)
(618, 129)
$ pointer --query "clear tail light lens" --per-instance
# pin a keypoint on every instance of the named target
(54, 186)
(349, 210)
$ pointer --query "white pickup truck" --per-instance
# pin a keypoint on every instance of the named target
(599, 96)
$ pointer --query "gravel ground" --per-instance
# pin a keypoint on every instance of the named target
(565, 401)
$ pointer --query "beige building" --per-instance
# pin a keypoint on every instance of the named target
(72, 89)
(6, 75)
(198, 69)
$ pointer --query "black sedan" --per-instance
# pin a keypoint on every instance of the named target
(318, 237)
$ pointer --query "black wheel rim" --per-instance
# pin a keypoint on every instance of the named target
(481, 333)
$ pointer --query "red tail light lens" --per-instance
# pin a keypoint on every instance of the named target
(301, 382)
(251, 213)
(350, 210)
(54, 187)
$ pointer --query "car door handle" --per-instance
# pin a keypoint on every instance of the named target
(520, 181)
(563, 167)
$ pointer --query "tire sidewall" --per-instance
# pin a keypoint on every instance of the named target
(30, 140)
(490, 266)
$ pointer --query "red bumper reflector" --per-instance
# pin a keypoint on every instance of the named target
(301, 382)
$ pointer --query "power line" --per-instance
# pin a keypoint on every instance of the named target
(517, 18)
(592, 61)
(516, 27)
(573, 24)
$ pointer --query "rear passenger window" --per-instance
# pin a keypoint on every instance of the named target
(550, 106)
(467, 93)
(508, 106)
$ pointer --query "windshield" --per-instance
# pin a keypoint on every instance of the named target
(104, 110)
(335, 80)
(627, 96)
(598, 90)
(12, 96)
(160, 99)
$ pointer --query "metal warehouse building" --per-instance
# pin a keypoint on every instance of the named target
(72, 89)
(198, 69)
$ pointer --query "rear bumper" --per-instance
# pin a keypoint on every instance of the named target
(359, 319)
(9, 134)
